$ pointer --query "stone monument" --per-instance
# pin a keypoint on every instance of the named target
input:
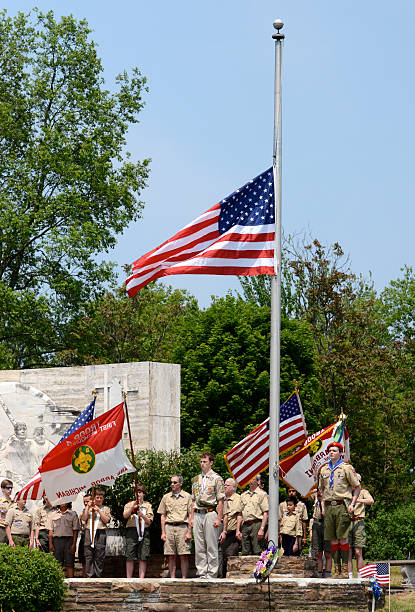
(37, 407)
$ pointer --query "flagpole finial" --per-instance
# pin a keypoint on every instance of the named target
(278, 24)
(295, 384)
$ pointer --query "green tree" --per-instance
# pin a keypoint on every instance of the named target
(398, 306)
(119, 329)
(66, 190)
(224, 353)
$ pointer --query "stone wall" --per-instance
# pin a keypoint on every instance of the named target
(162, 595)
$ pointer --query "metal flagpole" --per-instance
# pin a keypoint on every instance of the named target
(274, 400)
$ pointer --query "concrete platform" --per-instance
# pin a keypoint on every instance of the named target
(230, 594)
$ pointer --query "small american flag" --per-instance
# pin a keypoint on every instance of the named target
(34, 489)
(235, 236)
(379, 570)
(251, 455)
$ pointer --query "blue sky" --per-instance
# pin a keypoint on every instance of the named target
(348, 122)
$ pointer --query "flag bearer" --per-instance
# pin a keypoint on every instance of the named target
(96, 517)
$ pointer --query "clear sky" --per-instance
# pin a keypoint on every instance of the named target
(348, 120)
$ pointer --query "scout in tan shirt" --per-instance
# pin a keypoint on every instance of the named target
(255, 517)
(63, 533)
(42, 525)
(340, 488)
(208, 495)
(290, 529)
(357, 532)
(232, 520)
(96, 517)
(5, 504)
(301, 510)
(19, 525)
(139, 515)
(176, 510)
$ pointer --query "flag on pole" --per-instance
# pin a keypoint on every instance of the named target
(92, 455)
(235, 236)
(251, 455)
(34, 488)
(380, 571)
(300, 470)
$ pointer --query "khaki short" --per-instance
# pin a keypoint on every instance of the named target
(336, 522)
(357, 534)
(318, 543)
(175, 543)
(135, 550)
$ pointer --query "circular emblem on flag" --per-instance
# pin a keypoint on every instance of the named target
(83, 459)
(315, 447)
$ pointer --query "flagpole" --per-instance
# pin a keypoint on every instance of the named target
(124, 395)
(274, 403)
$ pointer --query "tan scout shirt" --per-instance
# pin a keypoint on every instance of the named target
(176, 509)
(5, 506)
(345, 480)
(43, 517)
(106, 511)
(149, 512)
(301, 510)
(317, 510)
(207, 490)
(20, 521)
(232, 507)
(291, 524)
(360, 507)
(64, 524)
(254, 504)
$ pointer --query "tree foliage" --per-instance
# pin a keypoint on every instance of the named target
(66, 190)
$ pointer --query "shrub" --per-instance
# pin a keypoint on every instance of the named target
(30, 581)
(391, 532)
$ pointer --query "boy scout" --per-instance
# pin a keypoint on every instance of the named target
(255, 517)
(232, 521)
(357, 533)
(19, 525)
(95, 517)
(42, 525)
(208, 495)
(176, 511)
(6, 503)
(290, 529)
(63, 533)
(139, 515)
(340, 488)
(301, 510)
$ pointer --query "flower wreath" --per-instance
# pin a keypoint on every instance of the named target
(266, 563)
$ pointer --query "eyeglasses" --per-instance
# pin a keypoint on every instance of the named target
(10, 488)
(174, 482)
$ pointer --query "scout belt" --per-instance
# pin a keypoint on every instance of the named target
(334, 502)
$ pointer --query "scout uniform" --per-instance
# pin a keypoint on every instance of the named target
(63, 526)
(42, 526)
(21, 525)
(232, 508)
(177, 509)
(95, 550)
(357, 533)
(300, 509)
(337, 489)
(290, 528)
(207, 491)
(5, 505)
(318, 543)
(254, 504)
(137, 548)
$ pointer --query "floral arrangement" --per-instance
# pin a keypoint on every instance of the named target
(266, 562)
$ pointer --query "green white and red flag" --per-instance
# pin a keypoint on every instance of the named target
(93, 455)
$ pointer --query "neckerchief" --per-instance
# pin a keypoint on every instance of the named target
(332, 468)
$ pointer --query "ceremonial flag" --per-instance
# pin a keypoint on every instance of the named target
(34, 489)
(92, 455)
(235, 236)
(300, 470)
(379, 570)
(251, 455)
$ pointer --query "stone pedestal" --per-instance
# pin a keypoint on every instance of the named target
(286, 566)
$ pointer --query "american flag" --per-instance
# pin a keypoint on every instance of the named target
(34, 489)
(235, 236)
(379, 570)
(251, 455)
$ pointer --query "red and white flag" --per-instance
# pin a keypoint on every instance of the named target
(300, 470)
(235, 236)
(93, 455)
(251, 455)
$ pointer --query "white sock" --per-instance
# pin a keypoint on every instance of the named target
(351, 575)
